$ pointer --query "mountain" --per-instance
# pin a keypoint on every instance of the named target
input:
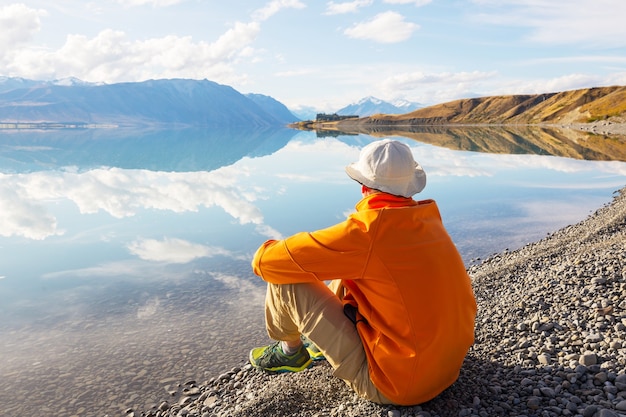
(174, 102)
(306, 112)
(273, 106)
(369, 106)
(576, 106)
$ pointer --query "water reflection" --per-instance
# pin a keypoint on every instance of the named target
(122, 217)
(29, 199)
(117, 243)
(180, 150)
(508, 139)
(85, 223)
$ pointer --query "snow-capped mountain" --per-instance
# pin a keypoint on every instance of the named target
(71, 81)
(372, 105)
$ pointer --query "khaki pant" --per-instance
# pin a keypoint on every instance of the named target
(316, 311)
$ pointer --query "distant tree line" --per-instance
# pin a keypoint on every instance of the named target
(323, 117)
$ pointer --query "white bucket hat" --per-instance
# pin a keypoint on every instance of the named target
(388, 166)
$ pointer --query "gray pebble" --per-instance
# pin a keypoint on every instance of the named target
(588, 359)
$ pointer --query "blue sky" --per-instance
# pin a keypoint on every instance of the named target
(323, 54)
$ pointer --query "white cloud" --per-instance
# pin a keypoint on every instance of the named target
(435, 87)
(414, 79)
(565, 82)
(172, 250)
(417, 3)
(19, 24)
(297, 73)
(274, 7)
(346, 7)
(387, 27)
(576, 22)
(154, 3)
(440, 87)
(111, 56)
(597, 59)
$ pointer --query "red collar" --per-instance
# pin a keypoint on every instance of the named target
(381, 200)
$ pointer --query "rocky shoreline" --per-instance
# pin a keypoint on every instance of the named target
(550, 341)
(612, 126)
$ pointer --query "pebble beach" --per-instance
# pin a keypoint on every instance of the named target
(550, 341)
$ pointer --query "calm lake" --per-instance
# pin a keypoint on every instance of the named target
(125, 255)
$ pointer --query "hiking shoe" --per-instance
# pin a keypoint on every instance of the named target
(314, 352)
(272, 359)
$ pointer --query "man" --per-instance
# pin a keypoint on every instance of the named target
(397, 318)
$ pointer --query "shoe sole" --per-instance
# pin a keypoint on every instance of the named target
(282, 369)
(316, 355)
(285, 369)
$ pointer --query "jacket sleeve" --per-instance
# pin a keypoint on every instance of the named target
(338, 252)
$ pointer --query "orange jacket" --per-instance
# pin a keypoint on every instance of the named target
(406, 278)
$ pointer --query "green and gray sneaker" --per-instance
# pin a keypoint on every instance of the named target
(272, 359)
(314, 352)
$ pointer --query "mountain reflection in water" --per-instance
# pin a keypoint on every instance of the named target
(507, 139)
(185, 149)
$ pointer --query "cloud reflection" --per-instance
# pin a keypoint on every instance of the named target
(120, 193)
(22, 216)
(253, 295)
(269, 232)
(149, 309)
(175, 251)
(28, 200)
(114, 269)
(299, 162)
(443, 162)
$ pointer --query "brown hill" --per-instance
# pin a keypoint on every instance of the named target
(583, 124)
(576, 106)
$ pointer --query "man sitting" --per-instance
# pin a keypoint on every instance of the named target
(397, 318)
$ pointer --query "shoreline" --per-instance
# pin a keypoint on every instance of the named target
(606, 128)
(614, 126)
(550, 340)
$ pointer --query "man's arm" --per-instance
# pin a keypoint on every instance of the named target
(337, 252)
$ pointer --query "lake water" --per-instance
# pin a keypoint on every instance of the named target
(125, 255)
